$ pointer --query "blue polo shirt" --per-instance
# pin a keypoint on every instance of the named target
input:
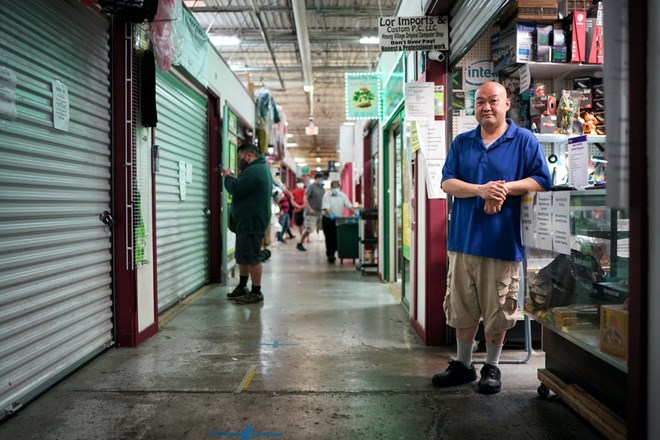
(516, 155)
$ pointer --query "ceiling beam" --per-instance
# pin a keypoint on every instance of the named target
(262, 28)
(316, 36)
(320, 69)
(328, 11)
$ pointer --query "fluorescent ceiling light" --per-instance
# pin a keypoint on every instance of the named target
(291, 144)
(299, 159)
(318, 169)
(289, 135)
(318, 160)
(349, 123)
(225, 40)
(302, 164)
(307, 88)
(369, 40)
(337, 164)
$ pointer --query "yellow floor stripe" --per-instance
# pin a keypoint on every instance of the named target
(191, 299)
(246, 380)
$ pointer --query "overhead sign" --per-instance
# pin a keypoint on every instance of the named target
(398, 34)
(362, 94)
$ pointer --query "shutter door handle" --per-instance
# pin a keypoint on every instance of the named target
(106, 218)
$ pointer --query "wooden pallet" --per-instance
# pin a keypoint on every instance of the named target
(602, 418)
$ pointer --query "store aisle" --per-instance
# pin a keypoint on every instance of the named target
(329, 355)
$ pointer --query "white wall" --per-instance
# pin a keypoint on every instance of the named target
(224, 83)
(346, 144)
(653, 124)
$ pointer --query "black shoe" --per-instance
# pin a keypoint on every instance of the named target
(238, 292)
(456, 374)
(300, 247)
(490, 382)
(331, 260)
(250, 298)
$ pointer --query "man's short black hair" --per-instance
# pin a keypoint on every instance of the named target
(249, 148)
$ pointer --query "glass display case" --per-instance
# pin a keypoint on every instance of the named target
(576, 287)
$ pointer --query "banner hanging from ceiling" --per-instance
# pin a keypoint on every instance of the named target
(362, 95)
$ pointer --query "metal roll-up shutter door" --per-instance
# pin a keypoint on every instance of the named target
(55, 253)
(469, 18)
(181, 224)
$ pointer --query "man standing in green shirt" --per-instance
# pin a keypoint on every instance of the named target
(249, 216)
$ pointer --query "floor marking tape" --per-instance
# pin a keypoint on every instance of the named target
(246, 379)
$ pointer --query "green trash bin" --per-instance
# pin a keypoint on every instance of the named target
(347, 238)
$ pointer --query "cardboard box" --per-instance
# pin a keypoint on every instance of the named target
(530, 10)
(594, 37)
(549, 124)
(512, 46)
(583, 82)
(577, 35)
(582, 98)
(543, 54)
(566, 7)
(543, 105)
(559, 54)
(598, 91)
(614, 330)
(558, 37)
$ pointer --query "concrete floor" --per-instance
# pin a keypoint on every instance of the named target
(329, 355)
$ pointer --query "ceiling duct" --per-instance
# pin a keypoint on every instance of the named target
(300, 18)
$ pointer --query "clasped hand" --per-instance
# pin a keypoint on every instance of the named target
(494, 193)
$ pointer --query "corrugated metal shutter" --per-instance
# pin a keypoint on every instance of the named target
(469, 18)
(55, 254)
(182, 225)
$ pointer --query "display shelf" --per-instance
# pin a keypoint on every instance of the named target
(562, 70)
(560, 138)
(586, 339)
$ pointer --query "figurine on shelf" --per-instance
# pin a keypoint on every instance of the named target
(566, 110)
(589, 124)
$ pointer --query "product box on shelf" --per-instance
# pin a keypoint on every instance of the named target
(549, 124)
(512, 46)
(530, 10)
(566, 7)
(614, 330)
(576, 33)
(582, 83)
(543, 105)
(559, 54)
(582, 98)
(594, 37)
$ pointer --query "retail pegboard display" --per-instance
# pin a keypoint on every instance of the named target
(478, 57)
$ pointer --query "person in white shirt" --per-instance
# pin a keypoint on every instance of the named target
(334, 202)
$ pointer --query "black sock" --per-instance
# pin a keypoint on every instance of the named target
(243, 280)
(256, 289)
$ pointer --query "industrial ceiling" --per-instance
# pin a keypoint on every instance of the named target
(289, 45)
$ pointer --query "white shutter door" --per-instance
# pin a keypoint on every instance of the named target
(55, 253)
(182, 225)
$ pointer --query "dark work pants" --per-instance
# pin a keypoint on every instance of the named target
(330, 232)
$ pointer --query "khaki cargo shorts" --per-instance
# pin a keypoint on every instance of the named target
(481, 287)
(312, 223)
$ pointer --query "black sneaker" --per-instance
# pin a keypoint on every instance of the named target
(456, 374)
(331, 260)
(300, 247)
(238, 292)
(490, 382)
(250, 298)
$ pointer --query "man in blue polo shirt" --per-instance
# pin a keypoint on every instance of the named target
(487, 170)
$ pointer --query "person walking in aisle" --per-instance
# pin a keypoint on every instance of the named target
(487, 170)
(333, 206)
(313, 201)
(298, 202)
(283, 215)
(249, 217)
